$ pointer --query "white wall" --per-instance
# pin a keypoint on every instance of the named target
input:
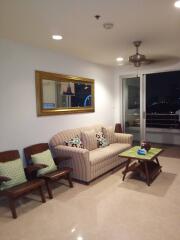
(19, 124)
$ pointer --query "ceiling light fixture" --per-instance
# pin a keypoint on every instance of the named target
(177, 4)
(119, 59)
(79, 238)
(137, 59)
(97, 16)
(57, 37)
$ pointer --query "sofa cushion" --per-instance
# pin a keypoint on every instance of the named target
(89, 139)
(13, 170)
(102, 154)
(96, 128)
(109, 134)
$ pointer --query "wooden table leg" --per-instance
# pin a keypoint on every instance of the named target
(157, 161)
(126, 169)
(158, 164)
(147, 173)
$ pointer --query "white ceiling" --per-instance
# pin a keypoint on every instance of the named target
(155, 22)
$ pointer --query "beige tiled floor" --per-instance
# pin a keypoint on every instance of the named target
(107, 209)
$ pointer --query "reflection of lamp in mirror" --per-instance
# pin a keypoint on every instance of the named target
(68, 91)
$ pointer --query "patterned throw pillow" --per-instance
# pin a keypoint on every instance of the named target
(44, 158)
(101, 140)
(15, 171)
(74, 142)
(109, 134)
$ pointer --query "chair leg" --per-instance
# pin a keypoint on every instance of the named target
(69, 180)
(12, 207)
(49, 189)
(42, 194)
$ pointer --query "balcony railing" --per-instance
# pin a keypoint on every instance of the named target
(162, 120)
(155, 120)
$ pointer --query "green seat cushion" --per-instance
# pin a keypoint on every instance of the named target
(44, 158)
(13, 170)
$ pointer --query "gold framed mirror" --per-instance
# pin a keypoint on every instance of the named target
(63, 94)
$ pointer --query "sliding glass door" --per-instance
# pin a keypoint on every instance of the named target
(151, 107)
(163, 107)
(133, 106)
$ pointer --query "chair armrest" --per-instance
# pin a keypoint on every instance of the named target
(34, 167)
(124, 138)
(59, 159)
(4, 179)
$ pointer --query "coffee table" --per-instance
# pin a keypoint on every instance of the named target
(147, 165)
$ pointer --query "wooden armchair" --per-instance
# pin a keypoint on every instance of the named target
(48, 177)
(20, 190)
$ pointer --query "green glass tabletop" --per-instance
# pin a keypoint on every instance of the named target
(132, 153)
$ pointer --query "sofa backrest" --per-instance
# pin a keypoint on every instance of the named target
(65, 135)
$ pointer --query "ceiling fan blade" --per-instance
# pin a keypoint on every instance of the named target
(165, 60)
(158, 61)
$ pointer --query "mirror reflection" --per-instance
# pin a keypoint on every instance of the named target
(59, 94)
(66, 94)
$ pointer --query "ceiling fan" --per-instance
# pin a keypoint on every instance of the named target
(138, 59)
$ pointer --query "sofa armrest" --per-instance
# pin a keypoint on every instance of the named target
(59, 159)
(78, 160)
(124, 138)
(66, 151)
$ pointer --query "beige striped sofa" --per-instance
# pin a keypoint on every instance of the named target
(88, 165)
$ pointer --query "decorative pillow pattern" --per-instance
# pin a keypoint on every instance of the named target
(15, 171)
(74, 142)
(89, 139)
(44, 158)
(109, 134)
(101, 140)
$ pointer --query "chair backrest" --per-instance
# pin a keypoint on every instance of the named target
(34, 149)
(118, 128)
(9, 155)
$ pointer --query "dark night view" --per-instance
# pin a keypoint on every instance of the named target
(163, 99)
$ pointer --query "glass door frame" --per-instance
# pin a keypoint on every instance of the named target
(142, 103)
